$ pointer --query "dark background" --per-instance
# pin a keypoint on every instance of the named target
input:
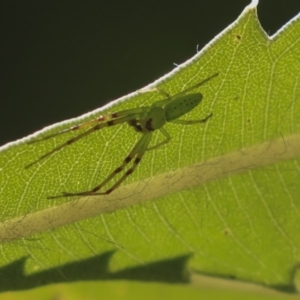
(60, 59)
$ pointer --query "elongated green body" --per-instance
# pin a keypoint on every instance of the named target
(144, 120)
(181, 105)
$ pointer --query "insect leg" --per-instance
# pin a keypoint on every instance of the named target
(84, 134)
(165, 141)
(197, 85)
(190, 122)
(138, 150)
(169, 97)
(100, 119)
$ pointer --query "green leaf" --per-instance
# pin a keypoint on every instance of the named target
(221, 198)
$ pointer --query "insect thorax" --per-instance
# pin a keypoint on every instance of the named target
(155, 119)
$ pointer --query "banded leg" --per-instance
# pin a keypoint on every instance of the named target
(139, 110)
(138, 150)
(84, 134)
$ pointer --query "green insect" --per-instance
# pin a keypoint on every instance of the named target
(145, 120)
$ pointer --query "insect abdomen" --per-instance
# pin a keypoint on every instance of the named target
(181, 106)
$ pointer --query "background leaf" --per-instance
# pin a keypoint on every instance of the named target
(243, 225)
